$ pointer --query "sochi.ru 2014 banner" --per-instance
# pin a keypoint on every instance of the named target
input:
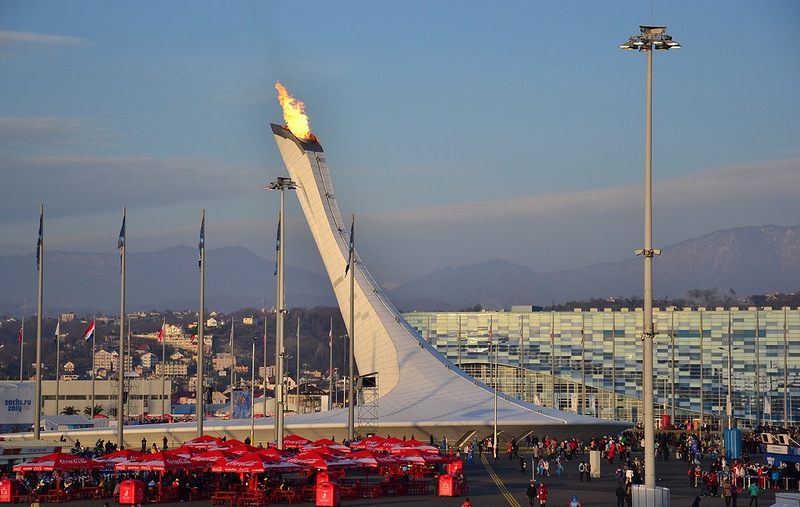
(16, 402)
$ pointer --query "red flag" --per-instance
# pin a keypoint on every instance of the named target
(89, 333)
(161, 333)
(19, 337)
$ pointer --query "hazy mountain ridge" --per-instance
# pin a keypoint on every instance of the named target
(750, 260)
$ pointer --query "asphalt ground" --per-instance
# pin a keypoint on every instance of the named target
(499, 483)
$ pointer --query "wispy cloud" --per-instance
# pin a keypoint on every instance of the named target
(7, 37)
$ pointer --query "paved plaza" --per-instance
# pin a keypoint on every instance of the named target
(498, 483)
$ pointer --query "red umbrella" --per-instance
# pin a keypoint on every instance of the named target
(274, 452)
(388, 443)
(374, 459)
(255, 464)
(422, 447)
(235, 447)
(368, 443)
(330, 445)
(320, 461)
(203, 442)
(295, 442)
(212, 457)
(160, 462)
(57, 461)
(421, 458)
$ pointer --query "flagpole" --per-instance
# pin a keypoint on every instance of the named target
(21, 346)
(297, 390)
(265, 358)
(233, 368)
(58, 362)
(121, 372)
(200, 324)
(494, 382)
(40, 267)
(164, 365)
(94, 370)
(253, 394)
(350, 387)
(330, 366)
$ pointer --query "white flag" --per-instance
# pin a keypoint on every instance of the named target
(767, 405)
(58, 328)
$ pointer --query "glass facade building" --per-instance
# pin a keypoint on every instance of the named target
(590, 362)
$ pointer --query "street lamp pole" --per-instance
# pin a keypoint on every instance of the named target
(651, 38)
(280, 184)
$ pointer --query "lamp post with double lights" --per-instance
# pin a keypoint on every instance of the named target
(650, 38)
(280, 184)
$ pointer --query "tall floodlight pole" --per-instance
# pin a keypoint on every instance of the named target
(37, 420)
(351, 266)
(280, 184)
(121, 370)
(200, 387)
(651, 38)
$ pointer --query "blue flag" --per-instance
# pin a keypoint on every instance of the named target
(350, 247)
(39, 242)
(201, 245)
(277, 247)
(121, 239)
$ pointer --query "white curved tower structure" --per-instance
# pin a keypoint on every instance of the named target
(417, 385)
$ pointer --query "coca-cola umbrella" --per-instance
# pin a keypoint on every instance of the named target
(374, 459)
(416, 445)
(255, 464)
(56, 462)
(203, 442)
(320, 461)
(122, 455)
(235, 446)
(389, 443)
(275, 453)
(211, 457)
(370, 459)
(371, 442)
(417, 457)
(327, 445)
(295, 442)
(159, 462)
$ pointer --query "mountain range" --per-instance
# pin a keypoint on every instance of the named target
(745, 260)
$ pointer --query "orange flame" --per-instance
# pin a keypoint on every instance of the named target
(294, 113)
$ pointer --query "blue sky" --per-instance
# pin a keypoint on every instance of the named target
(456, 132)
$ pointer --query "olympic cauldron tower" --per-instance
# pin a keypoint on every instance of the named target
(418, 388)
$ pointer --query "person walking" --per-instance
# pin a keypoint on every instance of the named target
(575, 502)
(726, 492)
(753, 490)
(620, 492)
(581, 469)
(542, 494)
(466, 503)
(588, 470)
(531, 493)
(522, 465)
